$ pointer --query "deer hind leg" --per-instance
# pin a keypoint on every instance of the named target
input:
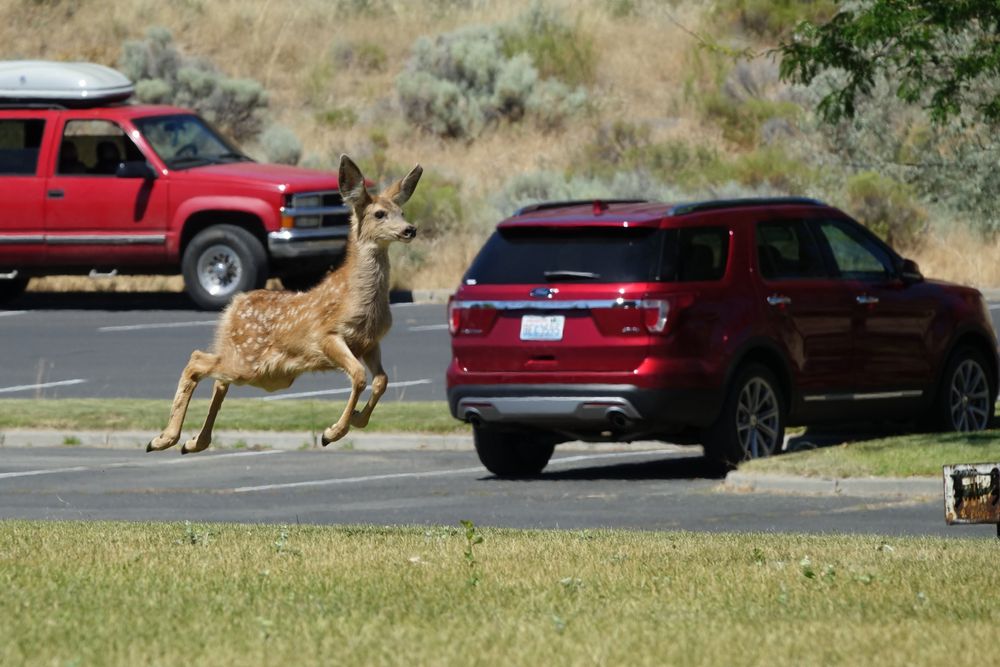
(340, 354)
(204, 438)
(200, 365)
(379, 383)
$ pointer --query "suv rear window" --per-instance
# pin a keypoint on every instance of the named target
(19, 144)
(539, 255)
(692, 254)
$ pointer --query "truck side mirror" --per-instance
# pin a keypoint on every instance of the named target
(135, 169)
(910, 272)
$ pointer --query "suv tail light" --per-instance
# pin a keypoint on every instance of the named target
(466, 321)
(635, 318)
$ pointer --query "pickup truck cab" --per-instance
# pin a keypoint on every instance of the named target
(94, 185)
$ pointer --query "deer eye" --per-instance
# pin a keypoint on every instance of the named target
(380, 214)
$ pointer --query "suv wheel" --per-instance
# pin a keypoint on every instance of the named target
(12, 288)
(222, 261)
(965, 402)
(752, 422)
(511, 453)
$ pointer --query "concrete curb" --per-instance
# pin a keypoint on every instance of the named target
(862, 487)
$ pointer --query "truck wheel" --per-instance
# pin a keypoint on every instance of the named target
(752, 422)
(12, 288)
(221, 261)
(965, 399)
(512, 454)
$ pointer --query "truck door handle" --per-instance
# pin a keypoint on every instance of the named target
(55, 194)
(778, 300)
(867, 300)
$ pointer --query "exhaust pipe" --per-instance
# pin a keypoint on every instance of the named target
(618, 419)
(474, 418)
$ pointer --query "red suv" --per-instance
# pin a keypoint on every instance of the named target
(718, 322)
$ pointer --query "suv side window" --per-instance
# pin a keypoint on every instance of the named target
(857, 256)
(95, 148)
(787, 250)
(20, 140)
(692, 254)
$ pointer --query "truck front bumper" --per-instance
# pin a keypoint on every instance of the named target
(301, 243)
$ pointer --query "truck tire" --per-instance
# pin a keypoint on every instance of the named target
(12, 288)
(752, 422)
(512, 454)
(222, 261)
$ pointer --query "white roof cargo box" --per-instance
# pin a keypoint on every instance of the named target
(67, 83)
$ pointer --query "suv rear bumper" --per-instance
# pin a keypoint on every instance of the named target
(584, 407)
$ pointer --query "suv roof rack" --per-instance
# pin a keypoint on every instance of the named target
(544, 206)
(693, 207)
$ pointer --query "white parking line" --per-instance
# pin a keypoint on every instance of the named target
(346, 390)
(133, 464)
(431, 473)
(428, 327)
(43, 385)
(7, 313)
(160, 325)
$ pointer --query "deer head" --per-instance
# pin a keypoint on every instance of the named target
(379, 217)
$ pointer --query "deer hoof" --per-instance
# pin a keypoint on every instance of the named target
(159, 442)
(332, 435)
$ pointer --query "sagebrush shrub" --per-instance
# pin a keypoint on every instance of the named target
(461, 82)
(164, 75)
(281, 145)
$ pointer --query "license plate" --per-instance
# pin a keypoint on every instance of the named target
(542, 327)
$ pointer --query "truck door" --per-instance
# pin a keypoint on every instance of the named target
(94, 218)
(21, 198)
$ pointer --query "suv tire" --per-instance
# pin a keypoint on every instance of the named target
(11, 289)
(220, 262)
(752, 422)
(512, 453)
(964, 400)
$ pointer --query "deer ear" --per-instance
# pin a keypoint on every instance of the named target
(401, 191)
(352, 184)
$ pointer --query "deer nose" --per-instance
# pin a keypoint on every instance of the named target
(410, 232)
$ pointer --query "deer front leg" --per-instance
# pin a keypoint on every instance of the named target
(373, 360)
(204, 437)
(340, 354)
(200, 365)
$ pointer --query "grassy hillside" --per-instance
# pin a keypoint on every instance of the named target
(588, 98)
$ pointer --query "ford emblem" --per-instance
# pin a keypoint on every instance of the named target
(543, 292)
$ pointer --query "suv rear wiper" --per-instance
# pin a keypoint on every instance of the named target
(570, 275)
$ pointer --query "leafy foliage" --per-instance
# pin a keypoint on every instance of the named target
(943, 56)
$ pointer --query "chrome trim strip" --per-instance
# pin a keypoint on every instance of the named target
(316, 210)
(293, 243)
(583, 304)
(20, 239)
(879, 395)
(106, 239)
(511, 408)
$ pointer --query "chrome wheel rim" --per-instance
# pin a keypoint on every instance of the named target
(219, 270)
(757, 419)
(969, 397)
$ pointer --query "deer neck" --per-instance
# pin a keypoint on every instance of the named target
(369, 277)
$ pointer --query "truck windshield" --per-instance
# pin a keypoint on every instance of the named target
(184, 140)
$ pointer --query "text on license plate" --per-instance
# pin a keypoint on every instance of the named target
(542, 327)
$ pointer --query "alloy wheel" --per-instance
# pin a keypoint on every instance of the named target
(968, 397)
(757, 415)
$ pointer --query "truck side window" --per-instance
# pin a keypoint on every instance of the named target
(20, 140)
(95, 148)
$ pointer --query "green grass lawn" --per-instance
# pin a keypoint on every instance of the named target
(920, 454)
(244, 414)
(225, 594)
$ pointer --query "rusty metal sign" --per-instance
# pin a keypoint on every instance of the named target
(972, 493)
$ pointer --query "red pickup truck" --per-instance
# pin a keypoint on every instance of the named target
(104, 187)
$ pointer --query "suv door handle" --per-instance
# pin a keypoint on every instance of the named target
(778, 300)
(55, 194)
(867, 300)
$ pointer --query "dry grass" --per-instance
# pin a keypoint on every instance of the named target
(645, 66)
(958, 255)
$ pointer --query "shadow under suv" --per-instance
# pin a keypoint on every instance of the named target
(720, 322)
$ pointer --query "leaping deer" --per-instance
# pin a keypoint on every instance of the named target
(268, 338)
